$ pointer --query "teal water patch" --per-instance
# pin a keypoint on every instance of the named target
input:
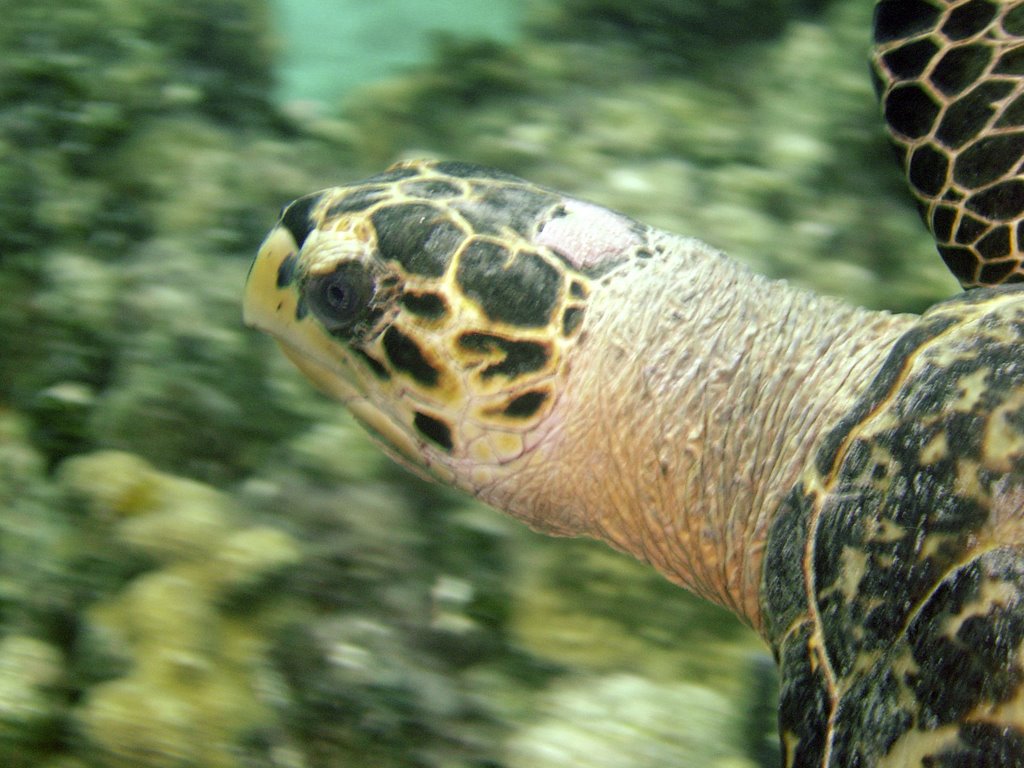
(327, 48)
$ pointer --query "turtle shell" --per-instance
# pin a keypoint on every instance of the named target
(949, 75)
(894, 573)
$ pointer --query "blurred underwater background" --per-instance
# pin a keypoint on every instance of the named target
(203, 562)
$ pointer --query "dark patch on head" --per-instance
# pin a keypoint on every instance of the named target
(493, 208)
(523, 290)
(297, 217)
(571, 319)
(518, 357)
(392, 174)
(301, 309)
(417, 236)
(525, 405)
(358, 199)
(286, 270)
(374, 364)
(434, 430)
(431, 189)
(405, 356)
(426, 305)
(471, 171)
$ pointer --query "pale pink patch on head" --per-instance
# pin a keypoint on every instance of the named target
(587, 235)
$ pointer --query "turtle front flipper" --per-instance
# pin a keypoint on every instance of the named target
(903, 644)
(950, 75)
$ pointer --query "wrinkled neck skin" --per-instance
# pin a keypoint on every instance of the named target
(693, 402)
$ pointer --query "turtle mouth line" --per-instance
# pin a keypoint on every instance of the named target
(325, 374)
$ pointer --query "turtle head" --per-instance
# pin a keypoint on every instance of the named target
(440, 302)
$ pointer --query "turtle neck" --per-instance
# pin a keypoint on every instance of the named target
(694, 400)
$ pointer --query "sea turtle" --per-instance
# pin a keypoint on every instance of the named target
(849, 482)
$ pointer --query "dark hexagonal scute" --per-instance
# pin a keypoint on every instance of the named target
(968, 116)
(898, 19)
(950, 75)
(521, 289)
(910, 60)
(969, 19)
(419, 237)
(911, 110)
(494, 208)
(958, 68)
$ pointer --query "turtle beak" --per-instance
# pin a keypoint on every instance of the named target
(271, 305)
(269, 302)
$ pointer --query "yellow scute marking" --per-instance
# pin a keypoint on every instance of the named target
(914, 746)
(1004, 440)
(506, 445)
(972, 387)
(993, 593)
(936, 449)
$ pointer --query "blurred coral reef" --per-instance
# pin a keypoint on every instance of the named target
(205, 564)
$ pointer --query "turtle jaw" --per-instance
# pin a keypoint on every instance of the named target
(447, 343)
(272, 306)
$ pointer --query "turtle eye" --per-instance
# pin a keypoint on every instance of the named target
(341, 299)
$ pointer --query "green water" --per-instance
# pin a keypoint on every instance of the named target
(328, 47)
